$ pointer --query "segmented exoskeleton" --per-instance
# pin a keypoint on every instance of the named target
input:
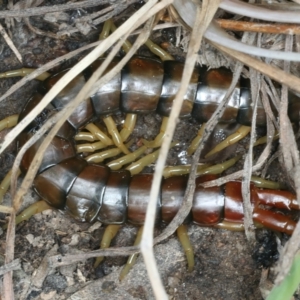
(90, 192)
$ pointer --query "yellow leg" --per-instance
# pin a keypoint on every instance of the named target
(92, 147)
(84, 136)
(24, 72)
(263, 139)
(186, 245)
(132, 258)
(267, 184)
(230, 140)
(127, 45)
(101, 156)
(154, 48)
(128, 126)
(158, 140)
(218, 168)
(138, 166)
(109, 233)
(33, 209)
(105, 30)
(9, 122)
(181, 170)
(118, 163)
(195, 143)
(230, 226)
(113, 131)
(201, 170)
(99, 134)
(4, 185)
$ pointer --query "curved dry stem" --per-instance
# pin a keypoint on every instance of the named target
(257, 12)
(186, 11)
(247, 206)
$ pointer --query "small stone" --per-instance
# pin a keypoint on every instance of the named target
(70, 280)
(94, 227)
(30, 238)
(81, 278)
(173, 281)
(74, 240)
(48, 296)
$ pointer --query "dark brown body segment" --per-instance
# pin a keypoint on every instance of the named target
(107, 98)
(141, 85)
(86, 195)
(138, 199)
(208, 205)
(172, 193)
(171, 84)
(213, 85)
(115, 199)
(54, 184)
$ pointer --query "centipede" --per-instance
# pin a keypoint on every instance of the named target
(127, 93)
(88, 191)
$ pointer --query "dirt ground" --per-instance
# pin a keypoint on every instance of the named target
(226, 266)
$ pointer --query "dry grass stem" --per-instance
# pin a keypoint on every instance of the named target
(37, 11)
(14, 265)
(246, 193)
(6, 209)
(236, 25)
(256, 12)
(10, 43)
